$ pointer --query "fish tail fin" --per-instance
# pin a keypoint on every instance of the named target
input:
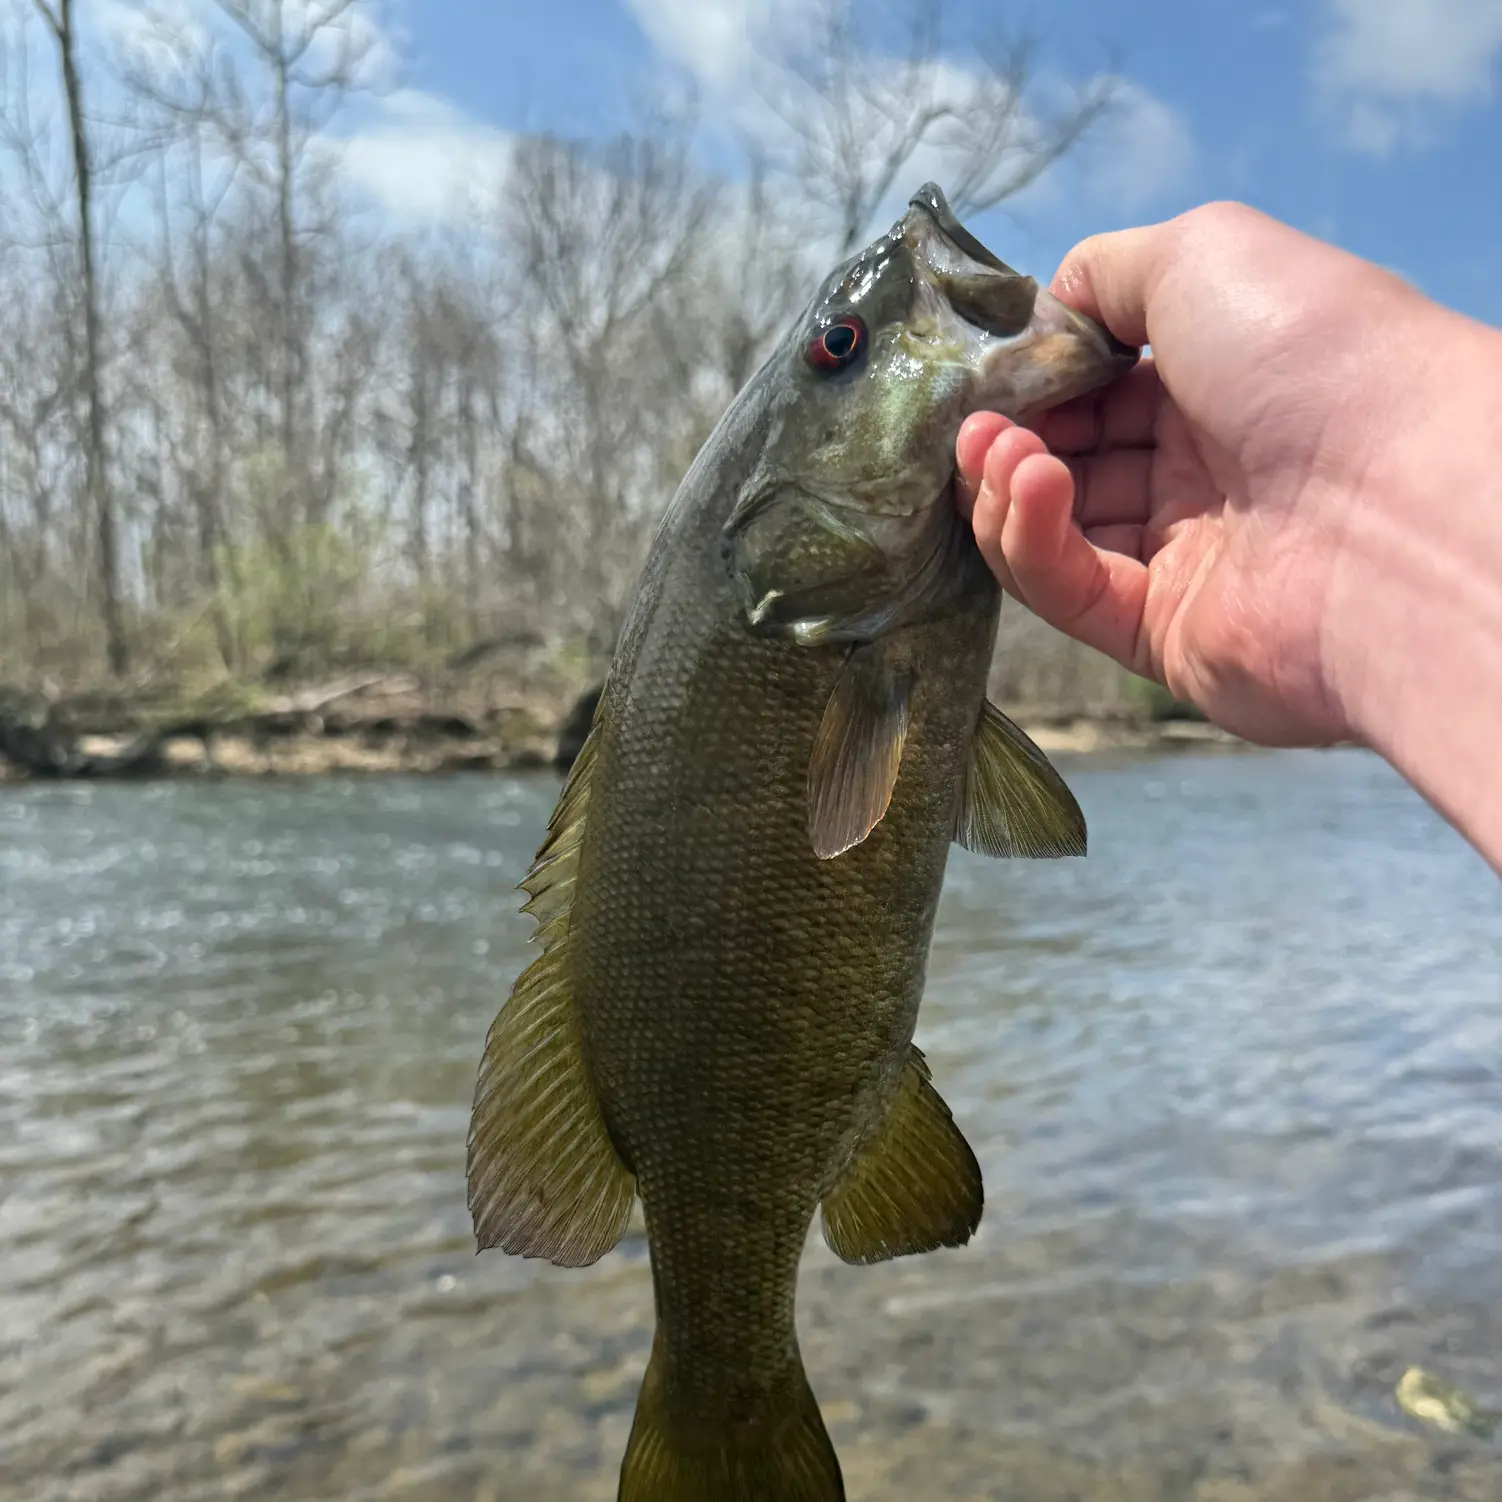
(780, 1452)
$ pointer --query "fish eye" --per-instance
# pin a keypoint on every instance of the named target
(835, 347)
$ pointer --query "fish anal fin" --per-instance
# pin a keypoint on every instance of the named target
(1014, 802)
(544, 1177)
(857, 752)
(913, 1186)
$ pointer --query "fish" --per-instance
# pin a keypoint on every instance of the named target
(736, 893)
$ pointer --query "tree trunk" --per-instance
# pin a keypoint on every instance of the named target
(101, 504)
(469, 504)
(297, 491)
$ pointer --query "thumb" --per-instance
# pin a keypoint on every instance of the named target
(1112, 277)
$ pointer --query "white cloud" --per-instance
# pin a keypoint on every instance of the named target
(422, 158)
(414, 154)
(142, 30)
(717, 40)
(1392, 69)
(365, 34)
(1131, 159)
(159, 30)
(1143, 153)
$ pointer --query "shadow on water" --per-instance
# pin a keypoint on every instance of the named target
(1235, 1082)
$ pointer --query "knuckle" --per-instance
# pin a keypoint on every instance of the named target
(1221, 214)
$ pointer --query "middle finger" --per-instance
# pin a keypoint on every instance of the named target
(1121, 415)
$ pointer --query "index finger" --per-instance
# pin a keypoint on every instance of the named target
(1121, 415)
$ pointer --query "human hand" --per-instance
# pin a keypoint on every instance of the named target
(1202, 520)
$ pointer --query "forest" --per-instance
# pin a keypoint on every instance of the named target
(257, 431)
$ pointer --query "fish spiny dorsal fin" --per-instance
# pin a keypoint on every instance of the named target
(857, 751)
(549, 884)
(1014, 802)
(545, 1180)
(913, 1186)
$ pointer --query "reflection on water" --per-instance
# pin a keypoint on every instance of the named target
(1235, 1082)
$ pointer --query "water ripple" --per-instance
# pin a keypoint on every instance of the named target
(1235, 1082)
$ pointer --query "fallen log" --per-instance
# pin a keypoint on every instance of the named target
(51, 751)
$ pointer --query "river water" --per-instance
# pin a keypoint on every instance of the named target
(1235, 1082)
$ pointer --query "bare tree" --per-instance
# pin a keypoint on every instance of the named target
(340, 441)
(752, 276)
(271, 116)
(856, 121)
(437, 412)
(601, 235)
(58, 19)
(191, 191)
(312, 53)
(480, 371)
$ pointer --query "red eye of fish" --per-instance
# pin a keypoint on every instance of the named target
(835, 347)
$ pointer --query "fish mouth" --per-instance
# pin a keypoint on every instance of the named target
(930, 200)
(1039, 351)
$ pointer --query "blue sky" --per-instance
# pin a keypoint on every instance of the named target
(1375, 123)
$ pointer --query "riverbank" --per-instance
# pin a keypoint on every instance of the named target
(394, 723)
(361, 722)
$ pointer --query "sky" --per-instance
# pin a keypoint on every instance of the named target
(1373, 123)
(1376, 124)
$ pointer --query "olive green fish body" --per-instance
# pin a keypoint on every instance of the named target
(746, 1008)
(737, 892)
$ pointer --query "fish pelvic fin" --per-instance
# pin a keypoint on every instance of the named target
(857, 752)
(778, 1450)
(913, 1186)
(1014, 802)
(544, 1177)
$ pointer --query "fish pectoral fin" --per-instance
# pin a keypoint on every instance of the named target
(774, 1450)
(544, 1177)
(1014, 802)
(914, 1186)
(857, 751)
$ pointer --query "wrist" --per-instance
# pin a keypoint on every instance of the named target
(1414, 624)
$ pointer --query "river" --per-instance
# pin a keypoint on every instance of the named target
(1235, 1082)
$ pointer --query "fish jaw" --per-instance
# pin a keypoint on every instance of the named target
(1025, 348)
(1060, 355)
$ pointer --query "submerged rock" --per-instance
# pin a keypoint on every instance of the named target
(576, 727)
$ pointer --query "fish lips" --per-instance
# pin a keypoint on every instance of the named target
(1053, 351)
(1061, 354)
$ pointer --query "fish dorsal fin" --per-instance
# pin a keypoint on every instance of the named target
(856, 752)
(1014, 802)
(545, 1180)
(913, 1186)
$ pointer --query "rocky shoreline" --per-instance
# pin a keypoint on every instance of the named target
(388, 725)
(378, 722)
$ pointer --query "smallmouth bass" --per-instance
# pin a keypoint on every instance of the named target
(737, 891)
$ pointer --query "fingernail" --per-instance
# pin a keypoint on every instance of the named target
(977, 433)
